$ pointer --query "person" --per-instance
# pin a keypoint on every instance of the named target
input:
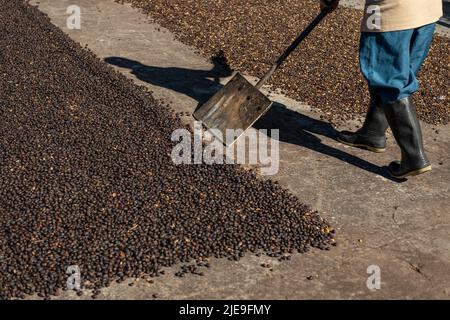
(395, 40)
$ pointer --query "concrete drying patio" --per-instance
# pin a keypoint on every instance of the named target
(403, 228)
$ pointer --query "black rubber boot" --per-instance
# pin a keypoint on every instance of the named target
(405, 126)
(372, 135)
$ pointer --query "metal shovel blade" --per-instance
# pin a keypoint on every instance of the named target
(238, 105)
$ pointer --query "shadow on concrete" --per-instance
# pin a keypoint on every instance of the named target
(197, 84)
(295, 128)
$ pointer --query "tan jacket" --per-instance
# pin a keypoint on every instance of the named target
(394, 15)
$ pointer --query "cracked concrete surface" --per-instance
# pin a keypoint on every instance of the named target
(401, 227)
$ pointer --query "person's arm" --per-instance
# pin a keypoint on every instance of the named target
(329, 4)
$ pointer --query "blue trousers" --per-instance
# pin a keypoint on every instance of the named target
(390, 61)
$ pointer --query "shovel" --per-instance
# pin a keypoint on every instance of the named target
(239, 104)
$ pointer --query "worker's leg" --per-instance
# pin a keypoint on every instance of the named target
(401, 114)
(390, 62)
